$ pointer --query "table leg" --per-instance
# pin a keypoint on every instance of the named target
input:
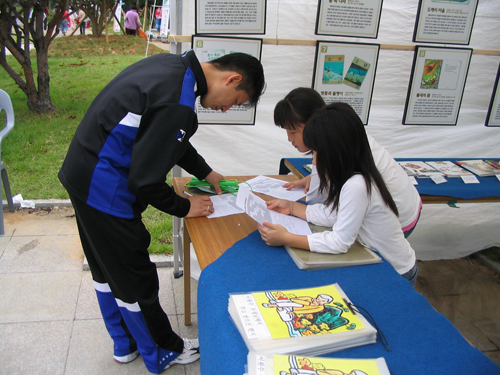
(187, 277)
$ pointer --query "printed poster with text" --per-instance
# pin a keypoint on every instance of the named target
(345, 72)
(230, 17)
(436, 86)
(209, 48)
(354, 18)
(493, 118)
(445, 21)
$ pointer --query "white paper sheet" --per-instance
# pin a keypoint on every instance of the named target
(224, 205)
(274, 188)
(257, 209)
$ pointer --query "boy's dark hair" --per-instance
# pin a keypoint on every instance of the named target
(251, 70)
(338, 136)
(297, 107)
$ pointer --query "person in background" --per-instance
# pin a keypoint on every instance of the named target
(65, 23)
(291, 114)
(132, 22)
(134, 132)
(158, 15)
(80, 20)
(358, 203)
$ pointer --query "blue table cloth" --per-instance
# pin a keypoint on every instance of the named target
(455, 187)
(422, 340)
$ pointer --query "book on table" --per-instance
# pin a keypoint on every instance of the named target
(308, 321)
(448, 168)
(272, 364)
(356, 255)
(419, 169)
(479, 167)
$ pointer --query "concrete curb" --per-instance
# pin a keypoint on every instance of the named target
(44, 203)
(161, 260)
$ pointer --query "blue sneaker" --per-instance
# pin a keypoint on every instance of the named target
(190, 353)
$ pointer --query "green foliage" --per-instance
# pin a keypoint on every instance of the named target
(33, 152)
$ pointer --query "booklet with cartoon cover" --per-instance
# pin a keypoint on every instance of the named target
(356, 255)
(448, 168)
(278, 364)
(309, 321)
(419, 169)
(479, 167)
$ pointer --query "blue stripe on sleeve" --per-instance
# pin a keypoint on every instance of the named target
(108, 190)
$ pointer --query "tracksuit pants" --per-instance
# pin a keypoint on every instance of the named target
(126, 283)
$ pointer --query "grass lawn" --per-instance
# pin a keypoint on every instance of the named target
(79, 67)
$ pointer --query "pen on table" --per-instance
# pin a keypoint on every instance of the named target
(188, 194)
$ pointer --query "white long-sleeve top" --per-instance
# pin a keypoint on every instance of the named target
(360, 216)
(404, 194)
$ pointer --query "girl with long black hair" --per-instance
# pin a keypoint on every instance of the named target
(358, 205)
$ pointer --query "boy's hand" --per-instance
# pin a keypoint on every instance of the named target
(214, 178)
(200, 206)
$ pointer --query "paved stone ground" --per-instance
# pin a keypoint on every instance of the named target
(468, 294)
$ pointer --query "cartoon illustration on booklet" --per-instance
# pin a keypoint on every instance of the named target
(306, 365)
(315, 311)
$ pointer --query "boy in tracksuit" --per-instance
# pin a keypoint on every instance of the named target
(135, 131)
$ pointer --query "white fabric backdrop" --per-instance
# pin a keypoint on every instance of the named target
(442, 232)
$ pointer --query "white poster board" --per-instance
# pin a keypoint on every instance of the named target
(436, 86)
(493, 118)
(118, 15)
(209, 48)
(230, 17)
(445, 21)
(345, 72)
(349, 18)
(165, 19)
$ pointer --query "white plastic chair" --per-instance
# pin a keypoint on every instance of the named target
(6, 105)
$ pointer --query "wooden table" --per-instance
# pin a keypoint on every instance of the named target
(211, 237)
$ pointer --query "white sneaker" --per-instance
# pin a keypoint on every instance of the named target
(190, 353)
(126, 358)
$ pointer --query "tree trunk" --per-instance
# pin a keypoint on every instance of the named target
(20, 25)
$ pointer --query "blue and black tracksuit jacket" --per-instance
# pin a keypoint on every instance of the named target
(134, 132)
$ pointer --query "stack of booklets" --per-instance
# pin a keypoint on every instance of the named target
(273, 364)
(449, 169)
(356, 255)
(480, 167)
(309, 321)
(419, 169)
